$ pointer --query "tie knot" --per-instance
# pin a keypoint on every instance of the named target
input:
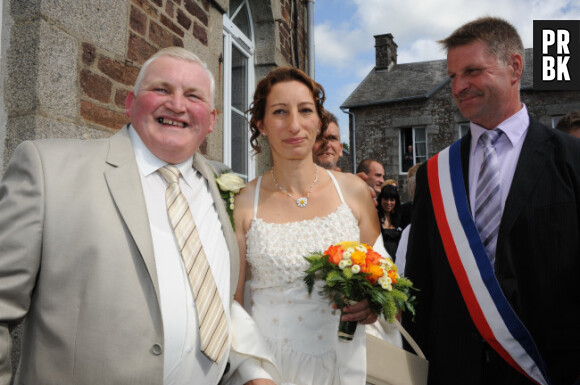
(489, 137)
(169, 173)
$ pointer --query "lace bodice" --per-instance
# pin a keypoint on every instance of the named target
(276, 252)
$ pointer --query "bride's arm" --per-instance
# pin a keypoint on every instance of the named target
(357, 197)
(368, 222)
(239, 296)
(242, 217)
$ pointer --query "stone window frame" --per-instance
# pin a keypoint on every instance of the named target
(236, 144)
(403, 145)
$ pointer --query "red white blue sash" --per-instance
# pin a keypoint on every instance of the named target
(488, 307)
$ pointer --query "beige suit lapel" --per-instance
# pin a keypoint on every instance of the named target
(125, 185)
(201, 165)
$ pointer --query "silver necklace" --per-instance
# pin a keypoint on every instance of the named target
(302, 201)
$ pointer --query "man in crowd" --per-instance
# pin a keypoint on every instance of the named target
(374, 173)
(494, 246)
(327, 150)
(105, 270)
(570, 123)
(408, 158)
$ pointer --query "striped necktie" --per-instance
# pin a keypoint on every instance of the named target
(488, 194)
(213, 326)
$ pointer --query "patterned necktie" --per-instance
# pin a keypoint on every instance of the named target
(212, 318)
(488, 194)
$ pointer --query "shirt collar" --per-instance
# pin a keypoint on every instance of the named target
(148, 163)
(514, 128)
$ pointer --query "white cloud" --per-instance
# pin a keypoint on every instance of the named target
(338, 47)
(420, 50)
(416, 27)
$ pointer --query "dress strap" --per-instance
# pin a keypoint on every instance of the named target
(336, 186)
(257, 196)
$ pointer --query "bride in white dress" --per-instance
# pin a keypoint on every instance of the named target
(290, 211)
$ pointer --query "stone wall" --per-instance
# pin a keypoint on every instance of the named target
(543, 105)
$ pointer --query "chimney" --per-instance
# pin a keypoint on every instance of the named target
(386, 51)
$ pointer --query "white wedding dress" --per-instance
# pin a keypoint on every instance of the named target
(301, 329)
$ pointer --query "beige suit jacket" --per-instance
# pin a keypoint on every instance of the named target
(76, 259)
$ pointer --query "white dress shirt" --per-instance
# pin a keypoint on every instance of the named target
(184, 363)
(401, 254)
(508, 148)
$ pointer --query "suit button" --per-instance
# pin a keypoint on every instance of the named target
(157, 349)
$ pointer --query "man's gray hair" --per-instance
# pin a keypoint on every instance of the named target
(177, 53)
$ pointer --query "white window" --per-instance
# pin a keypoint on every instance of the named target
(413, 147)
(463, 129)
(238, 81)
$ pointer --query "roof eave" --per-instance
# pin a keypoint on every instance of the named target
(426, 96)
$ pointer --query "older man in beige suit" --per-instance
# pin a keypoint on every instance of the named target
(88, 256)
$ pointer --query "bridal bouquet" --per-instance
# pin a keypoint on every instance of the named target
(353, 271)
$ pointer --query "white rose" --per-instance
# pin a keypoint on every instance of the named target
(230, 182)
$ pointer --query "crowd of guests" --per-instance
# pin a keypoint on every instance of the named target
(394, 215)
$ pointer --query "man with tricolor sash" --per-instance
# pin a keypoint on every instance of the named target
(494, 246)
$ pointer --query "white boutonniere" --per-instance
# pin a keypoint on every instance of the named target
(229, 185)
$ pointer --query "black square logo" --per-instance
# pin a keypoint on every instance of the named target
(557, 55)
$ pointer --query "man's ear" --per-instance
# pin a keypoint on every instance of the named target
(129, 102)
(516, 64)
(213, 120)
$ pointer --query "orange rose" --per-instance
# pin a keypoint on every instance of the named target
(393, 276)
(358, 258)
(375, 273)
(373, 258)
(334, 253)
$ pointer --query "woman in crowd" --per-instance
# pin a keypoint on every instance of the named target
(290, 211)
(389, 209)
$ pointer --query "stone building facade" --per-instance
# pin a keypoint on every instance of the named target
(398, 105)
(68, 65)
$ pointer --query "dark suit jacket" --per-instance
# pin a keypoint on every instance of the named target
(537, 266)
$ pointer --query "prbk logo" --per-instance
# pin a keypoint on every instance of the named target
(557, 55)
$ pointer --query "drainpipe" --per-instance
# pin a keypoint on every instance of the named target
(353, 138)
(310, 5)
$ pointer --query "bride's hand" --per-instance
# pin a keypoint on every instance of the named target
(260, 381)
(360, 312)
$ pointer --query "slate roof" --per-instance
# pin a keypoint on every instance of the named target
(412, 81)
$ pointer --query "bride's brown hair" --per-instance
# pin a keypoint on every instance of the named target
(279, 75)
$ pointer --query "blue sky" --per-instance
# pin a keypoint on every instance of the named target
(344, 30)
